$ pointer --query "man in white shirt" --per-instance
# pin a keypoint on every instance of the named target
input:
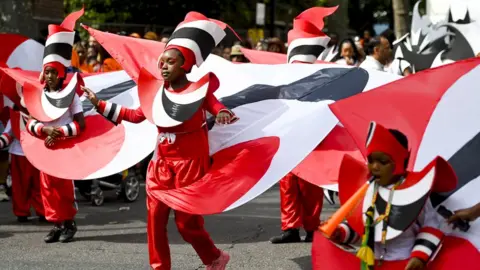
(379, 51)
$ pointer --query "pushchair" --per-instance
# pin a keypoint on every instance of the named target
(126, 185)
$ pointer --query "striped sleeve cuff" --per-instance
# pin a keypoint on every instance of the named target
(347, 234)
(233, 119)
(34, 127)
(70, 130)
(113, 112)
(5, 140)
(427, 242)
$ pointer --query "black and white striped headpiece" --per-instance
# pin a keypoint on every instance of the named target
(305, 42)
(198, 34)
(59, 45)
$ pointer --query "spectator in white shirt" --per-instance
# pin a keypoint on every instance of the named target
(379, 52)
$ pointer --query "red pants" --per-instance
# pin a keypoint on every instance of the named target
(58, 198)
(167, 174)
(25, 187)
(300, 202)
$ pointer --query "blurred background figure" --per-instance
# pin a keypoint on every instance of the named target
(151, 36)
(367, 36)
(348, 53)
(83, 66)
(226, 53)
(135, 35)
(276, 45)
(378, 54)
(164, 38)
(236, 55)
(92, 60)
(217, 51)
(261, 45)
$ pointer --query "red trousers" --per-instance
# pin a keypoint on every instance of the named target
(58, 197)
(25, 187)
(168, 174)
(300, 202)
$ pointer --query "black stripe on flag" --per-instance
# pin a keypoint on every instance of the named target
(62, 103)
(204, 40)
(315, 50)
(465, 165)
(109, 93)
(325, 84)
(62, 49)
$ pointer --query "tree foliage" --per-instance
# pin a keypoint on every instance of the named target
(239, 14)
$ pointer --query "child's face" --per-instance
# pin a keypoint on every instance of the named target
(381, 166)
(51, 77)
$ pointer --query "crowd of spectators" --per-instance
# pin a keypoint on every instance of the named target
(365, 51)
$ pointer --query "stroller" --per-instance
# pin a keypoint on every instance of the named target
(126, 185)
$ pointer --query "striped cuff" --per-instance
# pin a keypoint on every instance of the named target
(347, 234)
(5, 140)
(427, 242)
(70, 130)
(113, 112)
(34, 127)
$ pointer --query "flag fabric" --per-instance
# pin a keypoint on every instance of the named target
(283, 114)
(436, 110)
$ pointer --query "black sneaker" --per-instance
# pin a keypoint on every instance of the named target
(22, 219)
(309, 237)
(54, 234)
(69, 231)
(288, 236)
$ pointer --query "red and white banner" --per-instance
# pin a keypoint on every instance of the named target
(22, 52)
(436, 109)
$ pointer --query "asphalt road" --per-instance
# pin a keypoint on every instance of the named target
(112, 239)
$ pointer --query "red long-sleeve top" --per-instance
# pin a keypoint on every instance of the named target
(191, 136)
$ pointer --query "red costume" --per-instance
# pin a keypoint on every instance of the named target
(300, 201)
(182, 153)
(25, 177)
(57, 109)
(398, 222)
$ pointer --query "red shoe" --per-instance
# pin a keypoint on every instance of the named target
(220, 263)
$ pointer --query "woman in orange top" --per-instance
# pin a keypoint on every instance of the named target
(79, 58)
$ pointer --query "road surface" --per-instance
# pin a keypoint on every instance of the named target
(112, 239)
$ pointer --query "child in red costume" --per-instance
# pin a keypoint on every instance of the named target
(25, 177)
(59, 194)
(182, 155)
(300, 201)
(401, 229)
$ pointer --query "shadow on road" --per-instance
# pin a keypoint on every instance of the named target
(5, 235)
(304, 262)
